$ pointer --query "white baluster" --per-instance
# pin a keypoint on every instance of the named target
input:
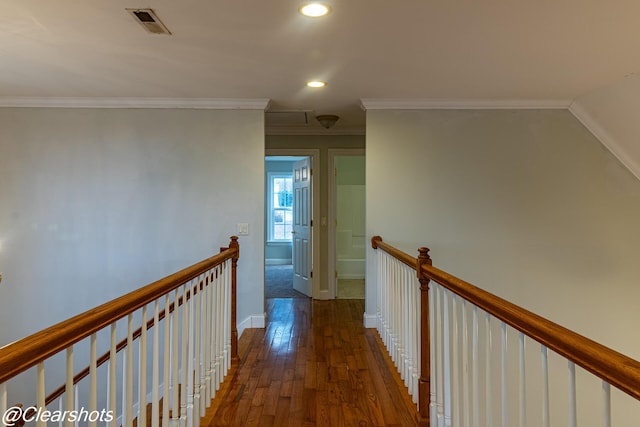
(402, 312)
(475, 393)
(465, 366)
(227, 319)
(175, 358)
(190, 355)
(488, 391)
(142, 370)
(504, 387)
(455, 362)
(40, 392)
(212, 332)
(545, 388)
(219, 327)
(198, 403)
(446, 347)
(93, 377)
(68, 390)
(523, 383)
(111, 388)
(226, 301)
(433, 404)
(166, 365)
(573, 415)
(206, 343)
(606, 403)
(155, 380)
(185, 355)
(439, 358)
(416, 339)
(128, 375)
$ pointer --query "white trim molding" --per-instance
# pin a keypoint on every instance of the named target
(463, 104)
(370, 320)
(605, 138)
(187, 103)
(253, 321)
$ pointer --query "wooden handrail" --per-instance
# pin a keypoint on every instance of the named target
(377, 243)
(21, 355)
(613, 367)
(609, 365)
(119, 346)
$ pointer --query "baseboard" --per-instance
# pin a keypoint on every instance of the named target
(370, 320)
(351, 276)
(277, 261)
(254, 321)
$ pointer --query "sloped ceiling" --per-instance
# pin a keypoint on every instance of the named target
(612, 114)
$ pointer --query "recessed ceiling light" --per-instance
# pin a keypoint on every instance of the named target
(316, 83)
(315, 10)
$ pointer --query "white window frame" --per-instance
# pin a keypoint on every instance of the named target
(270, 177)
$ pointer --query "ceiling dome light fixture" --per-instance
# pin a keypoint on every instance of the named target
(327, 120)
(316, 84)
(315, 10)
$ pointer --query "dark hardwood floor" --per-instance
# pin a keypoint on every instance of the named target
(313, 365)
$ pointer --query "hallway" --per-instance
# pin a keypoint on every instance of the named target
(313, 365)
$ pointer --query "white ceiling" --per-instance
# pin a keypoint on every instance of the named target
(426, 49)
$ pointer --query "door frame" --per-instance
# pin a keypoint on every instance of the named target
(332, 206)
(314, 155)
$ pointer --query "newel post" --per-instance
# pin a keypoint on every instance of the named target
(424, 383)
(234, 267)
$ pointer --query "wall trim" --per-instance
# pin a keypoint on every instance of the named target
(253, 321)
(605, 138)
(370, 320)
(277, 261)
(462, 104)
(188, 103)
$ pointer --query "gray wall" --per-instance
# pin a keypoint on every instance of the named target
(526, 204)
(96, 203)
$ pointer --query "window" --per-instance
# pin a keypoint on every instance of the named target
(280, 207)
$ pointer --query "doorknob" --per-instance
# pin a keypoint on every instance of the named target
(293, 232)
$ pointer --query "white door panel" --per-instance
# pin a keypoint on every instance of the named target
(302, 281)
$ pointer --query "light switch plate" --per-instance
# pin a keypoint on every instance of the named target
(243, 229)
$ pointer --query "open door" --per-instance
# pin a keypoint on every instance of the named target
(301, 234)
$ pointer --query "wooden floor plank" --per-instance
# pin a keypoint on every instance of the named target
(314, 364)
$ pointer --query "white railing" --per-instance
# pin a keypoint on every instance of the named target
(178, 340)
(488, 362)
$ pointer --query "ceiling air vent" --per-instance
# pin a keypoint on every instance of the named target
(149, 20)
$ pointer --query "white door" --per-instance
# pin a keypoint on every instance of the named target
(301, 234)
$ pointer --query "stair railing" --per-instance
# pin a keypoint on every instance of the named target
(184, 350)
(439, 331)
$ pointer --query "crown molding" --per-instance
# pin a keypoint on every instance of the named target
(605, 138)
(187, 103)
(315, 130)
(462, 104)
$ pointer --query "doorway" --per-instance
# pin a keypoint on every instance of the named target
(289, 237)
(347, 246)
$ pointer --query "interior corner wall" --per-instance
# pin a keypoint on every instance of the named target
(98, 202)
(526, 204)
